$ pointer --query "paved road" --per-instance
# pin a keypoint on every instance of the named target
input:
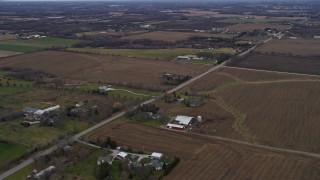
(106, 121)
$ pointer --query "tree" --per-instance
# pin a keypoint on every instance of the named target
(102, 171)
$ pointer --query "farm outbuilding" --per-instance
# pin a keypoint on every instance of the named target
(185, 120)
(156, 155)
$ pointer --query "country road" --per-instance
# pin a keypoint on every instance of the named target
(116, 116)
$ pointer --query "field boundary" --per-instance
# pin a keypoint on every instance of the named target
(279, 72)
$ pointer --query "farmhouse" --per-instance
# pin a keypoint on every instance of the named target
(106, 159)
(156, 164)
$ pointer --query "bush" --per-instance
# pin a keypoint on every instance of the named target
(170, 167)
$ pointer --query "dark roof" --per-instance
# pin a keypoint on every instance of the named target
(30, 110)
(156, 163)
(108, 158)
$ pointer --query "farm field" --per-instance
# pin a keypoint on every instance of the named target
(295, 47)
(18, 48)
(174, 36)
(149, 53)
(8, 53)
(9, 151)
(31, 45)
(203, 158)
(42, 43)
(263, 107)
(254, 26)
(273, 110)
(104, 69)
(303, 65)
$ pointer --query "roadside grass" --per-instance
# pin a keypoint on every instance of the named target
(11, 151)
(34, 135)
(21, 174)
(150, 53)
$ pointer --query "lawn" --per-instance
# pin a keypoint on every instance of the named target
(10, 151)
(83, 168)
(150, 53)
(34, 135)
(121, 91)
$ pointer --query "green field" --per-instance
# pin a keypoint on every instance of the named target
(18, 48)
(31, 45)
(12, 90)
(149, 53)
(10, 151)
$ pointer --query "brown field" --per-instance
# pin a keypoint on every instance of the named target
(174, 36)
(206, 159)
(276, 109)
(6, 37)
(8, 53)
(258, 26)
(95, 68)
(279, 113)
(296, 47)
(256, 75)
(293, 64)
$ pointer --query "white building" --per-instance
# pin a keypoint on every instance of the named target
(184, 120)
(122, 155)
(156, 155)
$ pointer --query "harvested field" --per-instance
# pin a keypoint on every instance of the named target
(218, 161)
(211, 82)
(256, 75)
(107, 69)
(296, 47)
(254, 26)
(174, 36)
(205, 158)
(291, 64)
(279, 113)
(140, 136)
(7, 53)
